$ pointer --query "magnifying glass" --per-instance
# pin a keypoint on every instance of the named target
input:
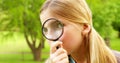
(52, 29)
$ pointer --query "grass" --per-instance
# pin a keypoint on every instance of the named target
(115, 44)
(11, 50)
(18, 57)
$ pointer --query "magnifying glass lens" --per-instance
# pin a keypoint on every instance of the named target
(52, 29)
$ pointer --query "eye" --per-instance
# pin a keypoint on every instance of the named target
(60, 25)
(45, 30)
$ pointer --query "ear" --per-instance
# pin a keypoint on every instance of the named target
(86, 29)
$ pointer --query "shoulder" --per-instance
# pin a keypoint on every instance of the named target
(117, 55)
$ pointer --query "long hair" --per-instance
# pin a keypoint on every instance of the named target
(77, 11)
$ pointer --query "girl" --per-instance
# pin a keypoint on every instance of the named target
(80, 43)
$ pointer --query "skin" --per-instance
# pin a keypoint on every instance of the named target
(70, 43)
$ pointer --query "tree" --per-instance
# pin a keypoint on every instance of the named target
(116, 22)
(23, 16)
(116, 26)
(102, 16)
(104, 13)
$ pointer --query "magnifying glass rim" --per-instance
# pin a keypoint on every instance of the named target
(43, 27)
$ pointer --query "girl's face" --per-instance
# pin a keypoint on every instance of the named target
(72, 35)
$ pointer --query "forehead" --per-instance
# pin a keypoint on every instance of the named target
(47, 15)
(44, 16)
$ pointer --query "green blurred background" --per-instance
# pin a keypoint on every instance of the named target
(21, 40)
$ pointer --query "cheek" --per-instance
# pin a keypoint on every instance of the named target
(71, 39)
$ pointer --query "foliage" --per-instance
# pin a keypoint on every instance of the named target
(23, 16)
(116, 25)
(104, 13)
(116, 22)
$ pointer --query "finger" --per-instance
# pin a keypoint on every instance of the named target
(60, 51)
(65, 60)
(57, 53)
(60, 57)
(53, 46)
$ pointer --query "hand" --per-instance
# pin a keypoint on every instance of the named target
(58, 55)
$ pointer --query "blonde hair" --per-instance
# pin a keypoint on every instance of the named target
(77, 11)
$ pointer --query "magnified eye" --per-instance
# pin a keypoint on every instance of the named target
(60, 25)
(45, 30)
(52, 29)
